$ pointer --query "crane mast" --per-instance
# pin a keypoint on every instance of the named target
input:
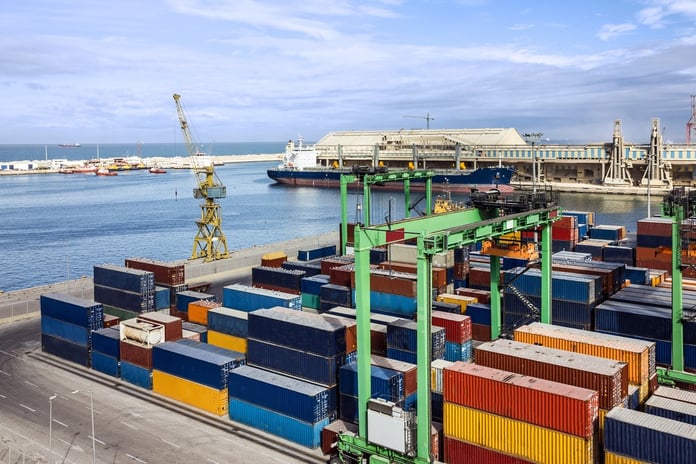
(210, 242)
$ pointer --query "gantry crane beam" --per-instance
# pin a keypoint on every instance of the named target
(434, 234)
(210, 242)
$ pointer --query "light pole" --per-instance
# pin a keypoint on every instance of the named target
(533, 137)
(50, 427)
(91, 407)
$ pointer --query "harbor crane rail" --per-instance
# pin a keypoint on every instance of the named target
(210, 242)
(387, 433)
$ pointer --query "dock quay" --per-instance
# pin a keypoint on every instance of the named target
(24, 304)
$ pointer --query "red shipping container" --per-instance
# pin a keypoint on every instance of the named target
(172, 324)
(480, 277)
(277, 288)
(330, 433)
(378, 339)
(166, 273)
(566, 222)
(111, 321)
(567, 235)
(335, 261)
(457, 326)
(480, 332)
(439, 274)
(137, 354)
(660, 227)
(400, 283)
(552, 405)
(608, 377)
(342, 275)
(461, 452)
(460, 270)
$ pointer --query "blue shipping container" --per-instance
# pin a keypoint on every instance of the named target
(671, 409)
(229, 321)
(136, 375)
(107, 341)
(311, 268)
(313, 284)
(188, 296)
(65, 349)
(246, 298)
(65, 330)
(386, 383)
(124, 278)
(106, 364)
(316, 253)
(124, 299)
(78, 311)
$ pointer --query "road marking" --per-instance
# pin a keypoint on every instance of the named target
(3, 372)
(96, 439)
(77, 448)
(8, 354)
(3, 396)
(59, 422)
(129, 425)
(136, 459)
(170, 443)
(32, 384)
(27, 407)
(211, 461)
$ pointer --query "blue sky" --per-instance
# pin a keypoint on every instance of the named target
(270, 70)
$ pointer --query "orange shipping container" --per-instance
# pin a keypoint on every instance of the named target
(198, 311)
(638, 354)
(536, 401)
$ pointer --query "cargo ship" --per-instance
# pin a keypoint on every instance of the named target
(299, 168)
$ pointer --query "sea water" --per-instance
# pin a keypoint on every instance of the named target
(56, 227)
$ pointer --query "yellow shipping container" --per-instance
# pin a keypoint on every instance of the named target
(636, 353)
(461, 300)
(515, 437)
(611, 458)
(223, 340)
(194, 394)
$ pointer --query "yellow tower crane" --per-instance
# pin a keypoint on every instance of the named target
(210, 242)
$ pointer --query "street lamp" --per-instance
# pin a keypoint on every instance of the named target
(91, 407)
(533, 137)
(50, 427)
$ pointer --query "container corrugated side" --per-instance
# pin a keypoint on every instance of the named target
(307, 366)
(302, 433)
(106, 364)
(676, 394)
(124, 278)
(457, 326)
(312, 333)
(407, 370)
(230, 342)
(608, 377)
(68, 308)
(671, 409)
(649, 438)
(462, 300)
(65, 330)
(137, 375)
(196, 362)
(198, 311)
(613, 458)
(172, 325)
(246, 298)
(135, 353)
(636, 353)
(461, 452)
(459, 351)
(65, 349)
(107, 341)
(229, 321)
(124, 299)
(212, 400)
(301, 400)
(386, 383)
(517, 438)
(528, 399)
(437, 375)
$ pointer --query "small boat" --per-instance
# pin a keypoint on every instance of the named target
(103, 171)
(66, 171)
(86, 169)
(157, 170)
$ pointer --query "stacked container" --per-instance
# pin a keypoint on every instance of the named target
(594, 247)
(437, 387)
(186, 297)
(387, 384)
(137, 340)
(277, 278)
(480, 315)
(198, 310)
(228, 328)
(519, 416)
(639, 355)
(460, 298)
(106, 351)
(170, 278)
(458, 344)
(194, 373)
(331, 295)
(124, 288)
(637, 437)
(310, 288)
(316, 253)
(402, 341)
(289, 408)
(66, 326)
(653, 240)
(173, 328)
(246, 298)
(564, 234)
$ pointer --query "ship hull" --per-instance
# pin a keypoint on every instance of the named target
(452, 181)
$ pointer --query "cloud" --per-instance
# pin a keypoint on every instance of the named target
(610, 31)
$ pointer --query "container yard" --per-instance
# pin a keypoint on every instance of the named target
(571, 354)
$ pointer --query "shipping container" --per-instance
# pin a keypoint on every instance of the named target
(457, 326)
(676, 394)
(297, 363)
(188, 296)
(329, 435)
(437, 375)
(459, 351)
(528, 399)
(125, 278)
(402, 335)
(278, 278)
(334, 295)
(608, 377)
(107, 341)
(310, 268)
(316, 253)
(613, 458)
(172, 325)
(198, 311)
(296, 431)
(671, 409)
(407, 370)
(392, 304)
(295, 398)
(65, 349)
(124, 299)
(461, 452)
(226, 341)
(65, 330)
(313, 333)
(246, 298)
(136, 353)
(200, 330)
(136, 375)
(274, 259)
(343, 275)
(386, 383)
(516, 438)
(106, 364)
(165, 273)
(439, 274)
(68, 308)
(197, 362)
(649, 438)
(163, 298)
(229, 321)
(313, 284)
(462, 300)
(639, 355)
(205, 397)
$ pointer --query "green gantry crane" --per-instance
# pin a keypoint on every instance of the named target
(387, 433)
(679, 205)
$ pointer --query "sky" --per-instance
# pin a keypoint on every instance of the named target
(271, 70)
